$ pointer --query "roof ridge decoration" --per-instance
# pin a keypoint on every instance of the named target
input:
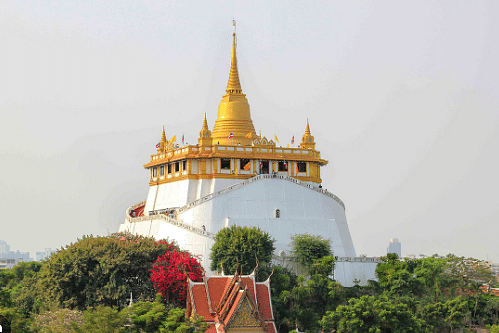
(226, 293)
(208, 297)
(229, 301)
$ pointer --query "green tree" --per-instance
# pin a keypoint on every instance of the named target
(432, 271)
(372, 314)
(13, 318)
(395, 277)
(309, 248)
(450, 314)
(101, 319)
(241, 248)
(282, 282)
(491, 307)
(178, 323)
(311, 298)
(96, 271)
(494, 329)
(25, 269)
(457, 309)
(10, 280)
(6, 276)
(147, 317)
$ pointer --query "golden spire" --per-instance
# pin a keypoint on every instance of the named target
(205, 134)
(307, 129)
(163, 136)
(162, 142)
(307, 140)
(233, 86)
(234, 119)
(205, 123)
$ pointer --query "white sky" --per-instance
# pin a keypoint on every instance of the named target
(402, 98)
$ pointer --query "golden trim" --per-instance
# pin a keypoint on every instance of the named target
(158, 181)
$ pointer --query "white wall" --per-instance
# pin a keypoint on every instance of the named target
(360, 269)
(302, 211)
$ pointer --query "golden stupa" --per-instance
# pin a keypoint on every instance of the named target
(233, 149)
(233, 124)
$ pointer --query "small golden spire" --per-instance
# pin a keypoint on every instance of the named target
(205, 123)
(205, 134)
(163, 136)
(162, 142)
(234, 86)
(307, 140)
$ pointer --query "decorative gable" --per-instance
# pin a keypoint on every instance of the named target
(245, 317)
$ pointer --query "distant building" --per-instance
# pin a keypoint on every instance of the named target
(4, 248)
(495, 269)
(6, 253)
(395, 247)
(44, 255)
(7, 263)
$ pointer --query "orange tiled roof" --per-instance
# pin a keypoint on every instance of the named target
(218, 300)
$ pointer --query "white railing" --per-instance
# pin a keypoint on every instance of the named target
(358, 259)
(168, 219)
(254, 179)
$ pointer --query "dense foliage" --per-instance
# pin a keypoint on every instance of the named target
(148, 317)
(309, 248)
(301, 301)
(241, 248)
(101, 271)
(373, 314)
(93, 271)
(169, 275)
(86, 286)
(434, 294)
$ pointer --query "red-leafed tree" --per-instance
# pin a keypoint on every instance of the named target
(169, 275)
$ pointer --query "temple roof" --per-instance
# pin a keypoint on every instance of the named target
(232, 301)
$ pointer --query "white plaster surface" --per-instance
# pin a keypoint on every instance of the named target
(349, 272)
(302, 210)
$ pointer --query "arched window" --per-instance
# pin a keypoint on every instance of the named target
(277, 213)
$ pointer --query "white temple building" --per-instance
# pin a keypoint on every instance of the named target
(235, 177)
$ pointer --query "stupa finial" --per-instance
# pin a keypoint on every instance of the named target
(205, 123)
(163, 142)
(234, 86)
(163, 136)
(307, 129)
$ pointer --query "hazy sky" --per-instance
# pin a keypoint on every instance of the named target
(402, 98)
